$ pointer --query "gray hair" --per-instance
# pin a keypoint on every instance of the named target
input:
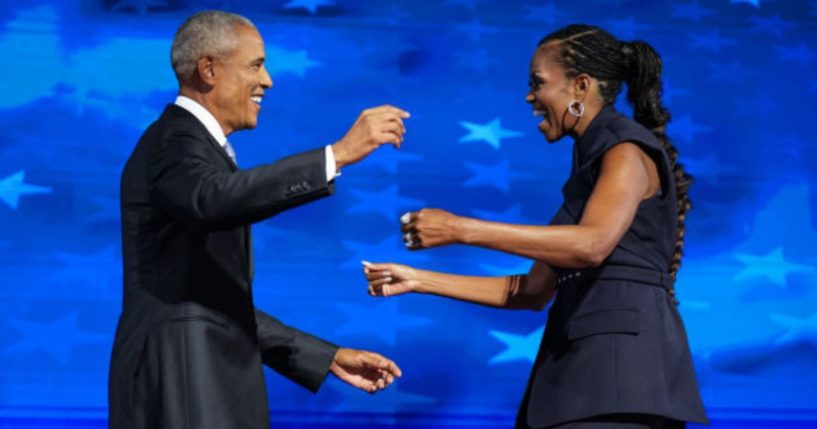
(210, 32)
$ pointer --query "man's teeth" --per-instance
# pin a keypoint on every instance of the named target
(541, 113)
(256, 99)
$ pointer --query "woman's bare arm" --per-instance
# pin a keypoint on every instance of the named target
(527, 291)
(627, 176)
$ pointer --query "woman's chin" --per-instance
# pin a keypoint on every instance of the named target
(548, 133)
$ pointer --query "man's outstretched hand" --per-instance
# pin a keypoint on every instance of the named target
(365, 370)
(373, 128)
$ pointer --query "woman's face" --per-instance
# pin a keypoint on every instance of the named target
(550, 93)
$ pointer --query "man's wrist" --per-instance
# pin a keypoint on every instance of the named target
(339, 155)
(332, 169)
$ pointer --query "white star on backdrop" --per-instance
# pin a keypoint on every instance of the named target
(755, 3)
(512, 215)
(518, 347)
(14, 186)
(390, 160)
(386, 202)
(310, 6)
(389, 249)
(280, 61)
(491, 133)
(498, 176)
(772, 265)
(797, 329)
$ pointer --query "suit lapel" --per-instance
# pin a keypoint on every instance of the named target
(175, 110)
(221, 151)
(246, 232)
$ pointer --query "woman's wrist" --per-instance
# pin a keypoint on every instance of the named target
(465, 230)
(420, 283)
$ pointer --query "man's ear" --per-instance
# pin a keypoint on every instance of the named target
(206, 69)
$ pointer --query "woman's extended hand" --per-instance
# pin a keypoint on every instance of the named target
(430, 228)
(390, 279)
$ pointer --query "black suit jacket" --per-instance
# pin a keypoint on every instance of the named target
(190, 343)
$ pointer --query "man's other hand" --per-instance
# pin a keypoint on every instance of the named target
(365, 370)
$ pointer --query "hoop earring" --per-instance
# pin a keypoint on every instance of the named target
(576, 108)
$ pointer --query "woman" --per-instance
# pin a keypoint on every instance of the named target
(614, 352)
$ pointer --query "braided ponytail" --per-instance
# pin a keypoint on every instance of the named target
(644, 94)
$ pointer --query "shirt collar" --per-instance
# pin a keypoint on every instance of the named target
(204, 116)
(586, 145)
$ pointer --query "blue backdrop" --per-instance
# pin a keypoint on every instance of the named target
(81, 79)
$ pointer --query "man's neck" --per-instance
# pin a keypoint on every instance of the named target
(204, 116)
(204, 101)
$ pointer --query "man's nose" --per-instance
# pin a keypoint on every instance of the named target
(266, 80)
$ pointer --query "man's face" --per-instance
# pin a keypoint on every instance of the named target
(240, 81)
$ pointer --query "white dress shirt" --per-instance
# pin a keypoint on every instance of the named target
(209, 121)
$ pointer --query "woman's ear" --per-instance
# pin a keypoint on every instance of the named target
(582, 85)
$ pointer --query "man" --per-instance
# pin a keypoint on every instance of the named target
(190, 344)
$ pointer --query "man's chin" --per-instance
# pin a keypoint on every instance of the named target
(248, 125)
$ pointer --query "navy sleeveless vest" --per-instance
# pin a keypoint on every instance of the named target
(614, 341)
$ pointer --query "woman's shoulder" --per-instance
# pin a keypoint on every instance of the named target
(613, 128)
(623, 129)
